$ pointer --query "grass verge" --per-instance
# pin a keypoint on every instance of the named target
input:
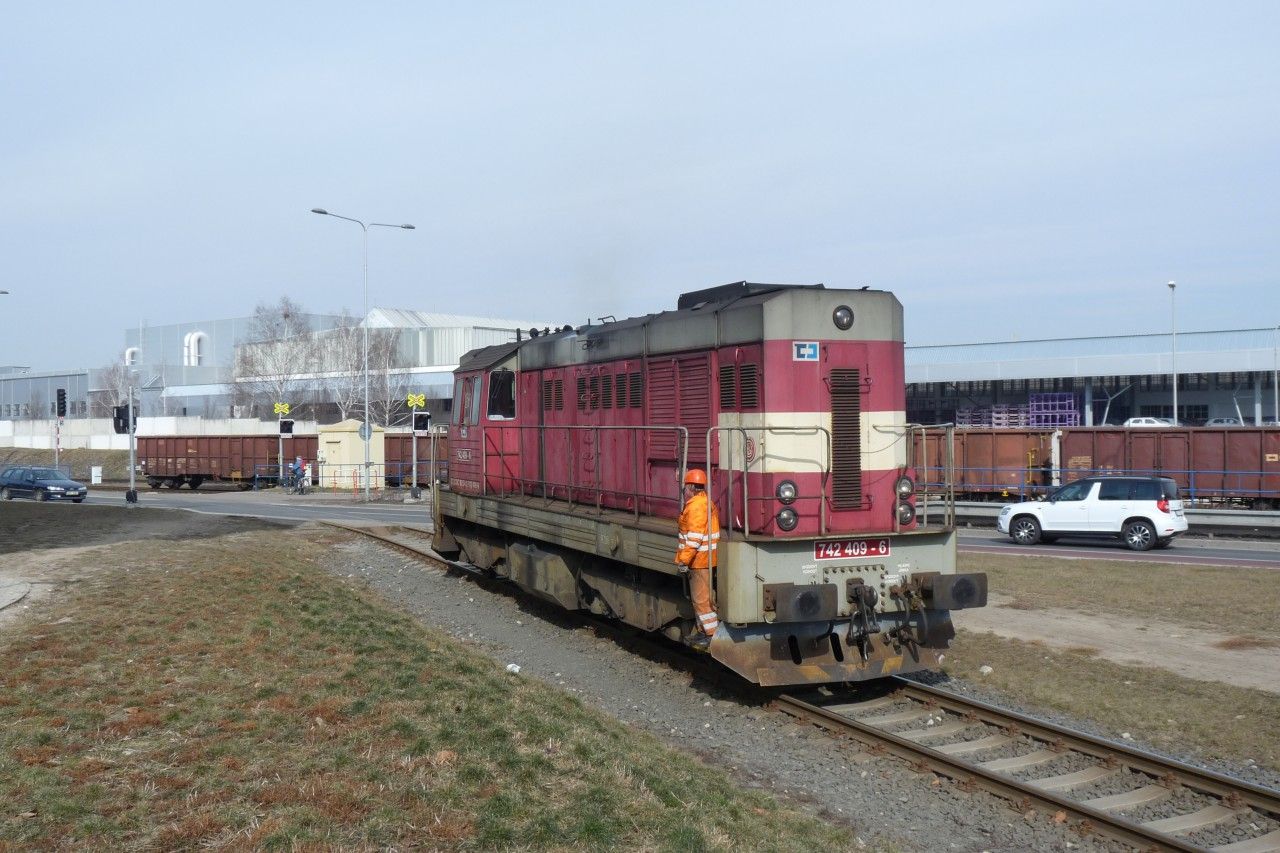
(232, 693)
(1210, 719)
(1229, 599)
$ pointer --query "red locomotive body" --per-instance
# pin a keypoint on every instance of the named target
(567, 452)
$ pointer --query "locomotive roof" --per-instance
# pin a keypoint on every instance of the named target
(715, 316)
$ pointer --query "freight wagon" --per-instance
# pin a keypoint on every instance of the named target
(1212, 465)
(248, 460)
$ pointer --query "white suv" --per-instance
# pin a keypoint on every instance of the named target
(1145, 512)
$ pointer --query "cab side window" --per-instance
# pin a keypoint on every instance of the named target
(473, 400)
(456, 415)
(502, 395)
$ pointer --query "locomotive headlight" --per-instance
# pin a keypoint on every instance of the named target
(904, 486)
(842, 317)
(906, 513)
(787, 518)
(787, 491)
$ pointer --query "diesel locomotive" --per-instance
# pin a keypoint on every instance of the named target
(568, 449)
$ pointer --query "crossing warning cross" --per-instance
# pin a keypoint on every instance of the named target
(416, 401)
(282, 408)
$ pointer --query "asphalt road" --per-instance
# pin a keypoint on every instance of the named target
(1184, 551)
(273, 504)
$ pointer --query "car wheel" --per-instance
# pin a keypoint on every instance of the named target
(41, 495)
(5, 494)
(1139, 536)
(1025, 530)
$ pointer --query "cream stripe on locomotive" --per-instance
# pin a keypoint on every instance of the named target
(883, 436)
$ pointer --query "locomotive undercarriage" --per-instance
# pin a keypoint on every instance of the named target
(619, 565)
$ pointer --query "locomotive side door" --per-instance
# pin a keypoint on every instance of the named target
(501, 432)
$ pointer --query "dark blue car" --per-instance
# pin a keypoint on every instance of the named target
(41, 484)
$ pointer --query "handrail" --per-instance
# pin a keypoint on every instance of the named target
(948, 483)
(570, 485)
(746, 496)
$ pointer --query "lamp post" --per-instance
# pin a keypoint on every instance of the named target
(1173, 328)
(367, 432)
(1275, 375)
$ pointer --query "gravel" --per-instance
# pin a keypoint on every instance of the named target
(881, 799)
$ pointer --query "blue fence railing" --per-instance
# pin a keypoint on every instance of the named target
(1195, 485)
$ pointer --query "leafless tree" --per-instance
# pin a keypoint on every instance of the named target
(388, 378)
(109, 389)
(279, 351)
(341, 356)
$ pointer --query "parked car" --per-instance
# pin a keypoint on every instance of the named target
(41, 484)
(1223, 422)
(1144, 512)
(1149, 422)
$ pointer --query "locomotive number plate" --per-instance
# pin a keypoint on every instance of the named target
(840, 549)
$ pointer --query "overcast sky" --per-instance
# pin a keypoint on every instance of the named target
(1009, 170)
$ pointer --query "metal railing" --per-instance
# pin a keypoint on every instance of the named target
(943, 489)
(746, 496)
(1196, 485)
(549, 489)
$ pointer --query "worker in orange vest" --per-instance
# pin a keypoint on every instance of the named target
(696, 551)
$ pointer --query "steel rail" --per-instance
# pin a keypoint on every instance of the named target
(1027, 794)
(1196, 778)
(1089, 820)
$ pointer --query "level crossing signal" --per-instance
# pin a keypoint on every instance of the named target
(421, 421)
(286, 426)
(120, 420)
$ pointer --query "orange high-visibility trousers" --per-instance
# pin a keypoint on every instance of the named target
(700, 594)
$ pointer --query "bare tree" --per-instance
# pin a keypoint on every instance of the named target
(112, 387)
(279, 352)
(388, 380)
(341, 355)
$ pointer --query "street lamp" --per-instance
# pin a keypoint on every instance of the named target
(1275, 375)
(1173, 328)
(367, 432)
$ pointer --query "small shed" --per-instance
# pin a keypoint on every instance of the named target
(340, 457)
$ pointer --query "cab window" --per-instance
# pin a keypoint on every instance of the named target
(456, 415)
(502, 395)
(473, 400)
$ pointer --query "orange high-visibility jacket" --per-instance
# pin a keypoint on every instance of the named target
(696, 549)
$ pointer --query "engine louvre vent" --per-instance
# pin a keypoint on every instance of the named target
(728, 387)
(846, 439)
(748, 387)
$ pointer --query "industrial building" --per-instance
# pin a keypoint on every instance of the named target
(1096, 381)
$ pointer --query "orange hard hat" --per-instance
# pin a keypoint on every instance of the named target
(696, 476)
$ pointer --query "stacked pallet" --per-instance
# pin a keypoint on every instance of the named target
(1057, 409)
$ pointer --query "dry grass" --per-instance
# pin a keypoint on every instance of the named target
(1231, 599)
(1246, 643)
(228, 693)
(1212, 719)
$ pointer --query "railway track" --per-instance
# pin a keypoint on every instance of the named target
(1102, 788)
